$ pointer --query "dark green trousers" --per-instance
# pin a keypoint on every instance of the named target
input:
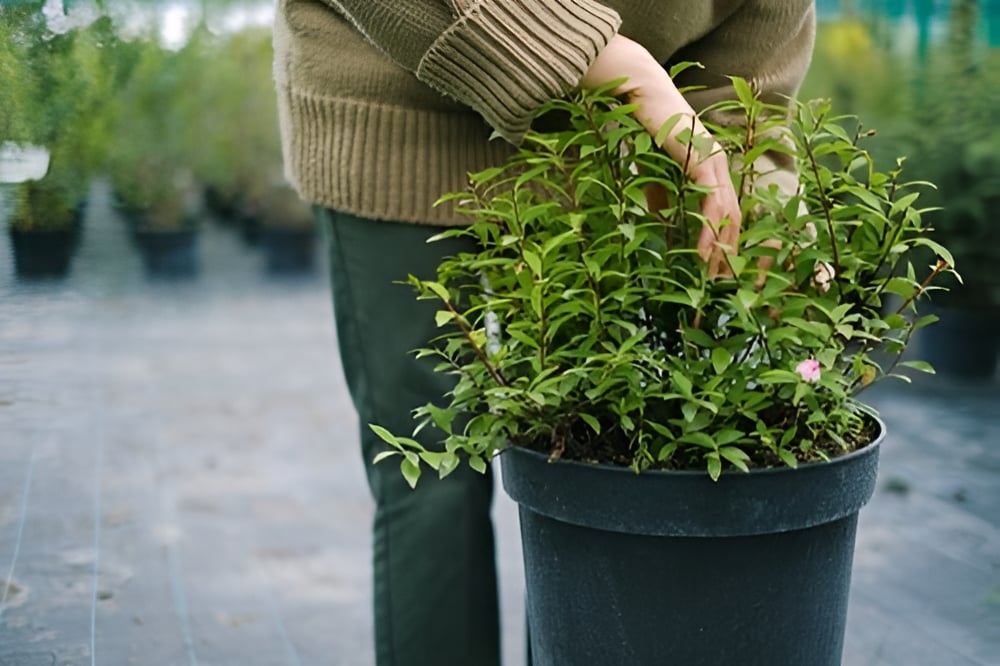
(435, 588)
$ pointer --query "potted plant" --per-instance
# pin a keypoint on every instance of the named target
(957, 93)
(60, 83)
(244, 162)
(288, 232)
(689, 454)
(149, 165)
(236, 148)
(44, 227)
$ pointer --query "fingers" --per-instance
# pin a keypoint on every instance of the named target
(719, 236)
(657, 198)
(716, 242)
(649, 86)
(766, 262)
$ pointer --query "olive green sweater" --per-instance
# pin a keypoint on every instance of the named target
(385, 105)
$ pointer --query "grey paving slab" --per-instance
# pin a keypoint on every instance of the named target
(180, 482)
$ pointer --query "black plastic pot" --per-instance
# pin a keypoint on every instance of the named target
(44, 253)
(670, 568)
(249, 227)
(289, 250)
(172, 254)
(964, 343)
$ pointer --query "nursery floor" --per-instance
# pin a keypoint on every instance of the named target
(180, 483)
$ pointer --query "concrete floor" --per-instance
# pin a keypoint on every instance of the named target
(180, 482)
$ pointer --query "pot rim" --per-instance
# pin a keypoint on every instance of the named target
(688, 502)
(728, 473)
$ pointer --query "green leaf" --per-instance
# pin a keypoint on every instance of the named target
(594, 424)
(721, 358)
(867, 197)
(801, 390)
(676, 69)
(937, 248)
(534, 262)
(536, 300)
(682, 384)
(738, 457)
(666, 451)
(522, 337)
(738, 263)
(714, 465)
(743, 90)
(903, 203)
(729, 435)
(439, 289)
(699, 337)
(442, 317)
(410, 470)
(477, 463)
(779, 377)
(382, 456)
(788, 458)
(700, 439)
(747, 298)
(449, 463)
(433, 459)
(922, 366)
(667, 128)
(385, 435)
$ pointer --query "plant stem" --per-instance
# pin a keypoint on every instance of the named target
(826, 209)
(467, 332)
(941, 266)
(887, 246)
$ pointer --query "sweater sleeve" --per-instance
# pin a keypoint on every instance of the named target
(503, 58)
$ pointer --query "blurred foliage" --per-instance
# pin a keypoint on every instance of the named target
(166, 124)
(17, 80)
(163, 123)
(938, 104)
(148, 165)
(844, 49)
(956, 143)
(58, 85)
(235, 148)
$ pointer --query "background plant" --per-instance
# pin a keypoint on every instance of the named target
(587, 327)
(17, 81)
(150, 159)
(954, 141)
(235, 145)
(937, 101)
(59, 88)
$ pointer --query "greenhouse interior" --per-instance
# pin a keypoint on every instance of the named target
(180, 479)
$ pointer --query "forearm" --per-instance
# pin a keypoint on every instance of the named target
(503, 58)
(648, 85)
(658, 101)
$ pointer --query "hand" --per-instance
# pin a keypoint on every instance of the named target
(649, 86)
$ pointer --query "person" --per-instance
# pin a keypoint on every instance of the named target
(384, 106)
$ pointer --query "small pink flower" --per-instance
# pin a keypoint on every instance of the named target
(808, 370)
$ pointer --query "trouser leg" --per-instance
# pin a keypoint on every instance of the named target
(435, 590)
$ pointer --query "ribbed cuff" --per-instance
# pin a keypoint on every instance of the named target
(505, 58)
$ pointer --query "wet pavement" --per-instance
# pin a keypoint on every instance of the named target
(180, 481)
